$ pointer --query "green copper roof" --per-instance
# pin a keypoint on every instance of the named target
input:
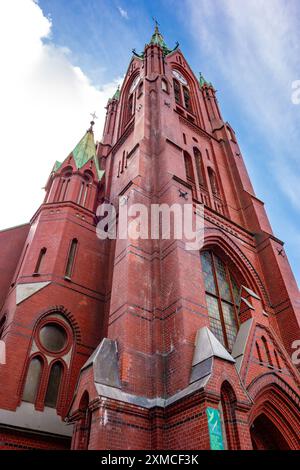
(117, 94)
(157, 39)
(203, 82)
(84, 151)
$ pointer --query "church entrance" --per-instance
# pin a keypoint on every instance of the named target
(266, 436)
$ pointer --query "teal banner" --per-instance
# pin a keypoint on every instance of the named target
(215, 429)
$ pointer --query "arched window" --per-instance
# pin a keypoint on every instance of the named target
(85, 422)
(222, 298)
(130, 107)
(213, 181)
(71, 257)
(140, 89)
(267, 351)
(187, 98)
(189, 171)
(81, 189)
(277, 359)
(188, 167)
(53, 338)
(33, 379)
(40, 260)
(2, 325)
(199, 166)
(177, 91)
(258, 352)
(228, 403)
(54, 381)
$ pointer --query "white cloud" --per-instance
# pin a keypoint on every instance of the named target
(123, 13)
(255, 46)
(45, 107)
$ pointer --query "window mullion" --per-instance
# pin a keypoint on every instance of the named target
(232, 296)
(219, 301)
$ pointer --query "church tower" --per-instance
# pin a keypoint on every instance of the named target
(198, 346)
(140, 343)
(53, 312)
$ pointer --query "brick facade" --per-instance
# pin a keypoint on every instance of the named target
(137, 305)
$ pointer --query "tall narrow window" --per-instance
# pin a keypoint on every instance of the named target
(222, 302)
(85, 195)
(228, 403)
(188, 167)
(189, 172)
(65, 190)
(213, 181)
(53, 385)
(40, 261)
(2, 325)
(85, 424)
(71, 257)
(60, 189)
(277, 359)
(187, 98)
(199, 166)
(258, 352)
(80, 193)
(267, 351)
(33, 379)
(130, 107)
(177, 91)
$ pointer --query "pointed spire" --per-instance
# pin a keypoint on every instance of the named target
(203, 82)
(84, 151)
(117, 94)
(86, 148)
(158, 40)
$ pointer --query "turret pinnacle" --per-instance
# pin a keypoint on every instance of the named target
(84, 151)
(157, 39)
(117, 94)
(203, 81)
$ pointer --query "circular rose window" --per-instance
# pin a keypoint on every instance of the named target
(53, 337)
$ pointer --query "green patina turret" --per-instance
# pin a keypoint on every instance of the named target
(158, 40)
(117, 94)
(84, 151)
(204, 82)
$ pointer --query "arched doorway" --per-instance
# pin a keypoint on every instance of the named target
(266, 436)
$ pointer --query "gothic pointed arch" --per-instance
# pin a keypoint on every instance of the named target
(217, 239)
(85, 422)
(275, 416)
(228, 403)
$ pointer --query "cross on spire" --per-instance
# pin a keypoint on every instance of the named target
(156, 22)
(94, 115)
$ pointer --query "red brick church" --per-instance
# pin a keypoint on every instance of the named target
(142, 344)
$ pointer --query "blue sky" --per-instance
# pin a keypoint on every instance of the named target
(249, 49)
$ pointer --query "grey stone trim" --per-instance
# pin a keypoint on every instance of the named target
(28, 418)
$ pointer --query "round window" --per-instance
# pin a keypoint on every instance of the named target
(53, 337)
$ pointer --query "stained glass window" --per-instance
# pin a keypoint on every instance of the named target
(53, 385)
(177, 91)
(32, 380)
(53, 337)
(222, 298)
